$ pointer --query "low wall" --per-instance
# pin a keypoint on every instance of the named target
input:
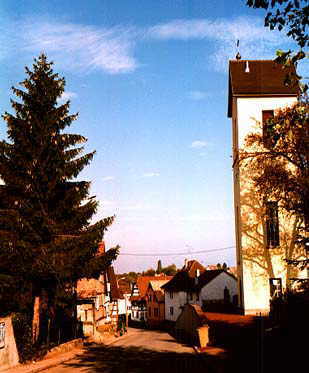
(8, 351)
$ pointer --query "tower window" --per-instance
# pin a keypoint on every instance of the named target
(266, 115)
(272, 224)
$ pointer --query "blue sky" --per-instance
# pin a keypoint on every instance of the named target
(149, 80)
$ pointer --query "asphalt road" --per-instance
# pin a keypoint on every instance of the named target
(141, 351)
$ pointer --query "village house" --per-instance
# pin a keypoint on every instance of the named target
(138, 297)
(99, 300)
(264, 236)
(196, 285)
(155, 302)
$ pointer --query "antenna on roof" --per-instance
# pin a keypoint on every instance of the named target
(238, 56)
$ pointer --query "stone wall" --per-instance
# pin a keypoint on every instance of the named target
(8, 351)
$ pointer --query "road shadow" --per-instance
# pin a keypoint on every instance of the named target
(115, 359)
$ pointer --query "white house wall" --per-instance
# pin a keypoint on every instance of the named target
(121, 306)
(178, 300)
(215, 289)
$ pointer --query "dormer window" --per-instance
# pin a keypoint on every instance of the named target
(266, 116)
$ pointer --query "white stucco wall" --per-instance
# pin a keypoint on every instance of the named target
(121, 306)
(249, 110)
(254, 283)
(215, 289)
(178, 300)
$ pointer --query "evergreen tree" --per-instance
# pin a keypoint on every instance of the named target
(47, 240)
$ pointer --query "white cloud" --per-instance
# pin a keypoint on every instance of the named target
(256, 41)
(111, 49)
(198, 144)
(67, 96)
(151, 174)
(82, 47)
(108, 178)
(198, 95)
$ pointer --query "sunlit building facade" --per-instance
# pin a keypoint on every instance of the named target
(264, 234)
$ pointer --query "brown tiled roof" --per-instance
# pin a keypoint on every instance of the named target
(192, 266)
(207, 276)
(143, 281)
(265, 77)
(184, 280)
(115, 292)
(124, 286)
(89, 288)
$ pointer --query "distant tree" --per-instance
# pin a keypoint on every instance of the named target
(132, 276)
(47, 239)
(219, 266)
(224, 266)
(159, 267)
(170, 270)
(293, 17)
(149, 272)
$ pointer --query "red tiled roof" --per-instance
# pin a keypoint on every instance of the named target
(143, 281)
(231, 319)
(192, 266)
(265, 77)
(240, 320)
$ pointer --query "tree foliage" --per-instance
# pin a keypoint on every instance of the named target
(291, 16)
(284, 163)
(47, 238)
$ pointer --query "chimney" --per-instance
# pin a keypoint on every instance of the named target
(247, 70)
(197, 274)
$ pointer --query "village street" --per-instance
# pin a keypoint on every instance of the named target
(141, 351)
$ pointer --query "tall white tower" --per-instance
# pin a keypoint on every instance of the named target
(256, 91)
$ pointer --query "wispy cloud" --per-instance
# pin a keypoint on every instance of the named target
(198, 144)
(82, 47)
(112, 49)
(108, 178)
(198, 95)
(256, 41)
(151, 174)
(67, 96)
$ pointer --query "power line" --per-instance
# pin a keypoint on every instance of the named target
(186, 253)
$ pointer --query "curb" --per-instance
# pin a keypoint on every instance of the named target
(48, 365)
(55, 358)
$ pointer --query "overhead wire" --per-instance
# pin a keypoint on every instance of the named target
(180, 254)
